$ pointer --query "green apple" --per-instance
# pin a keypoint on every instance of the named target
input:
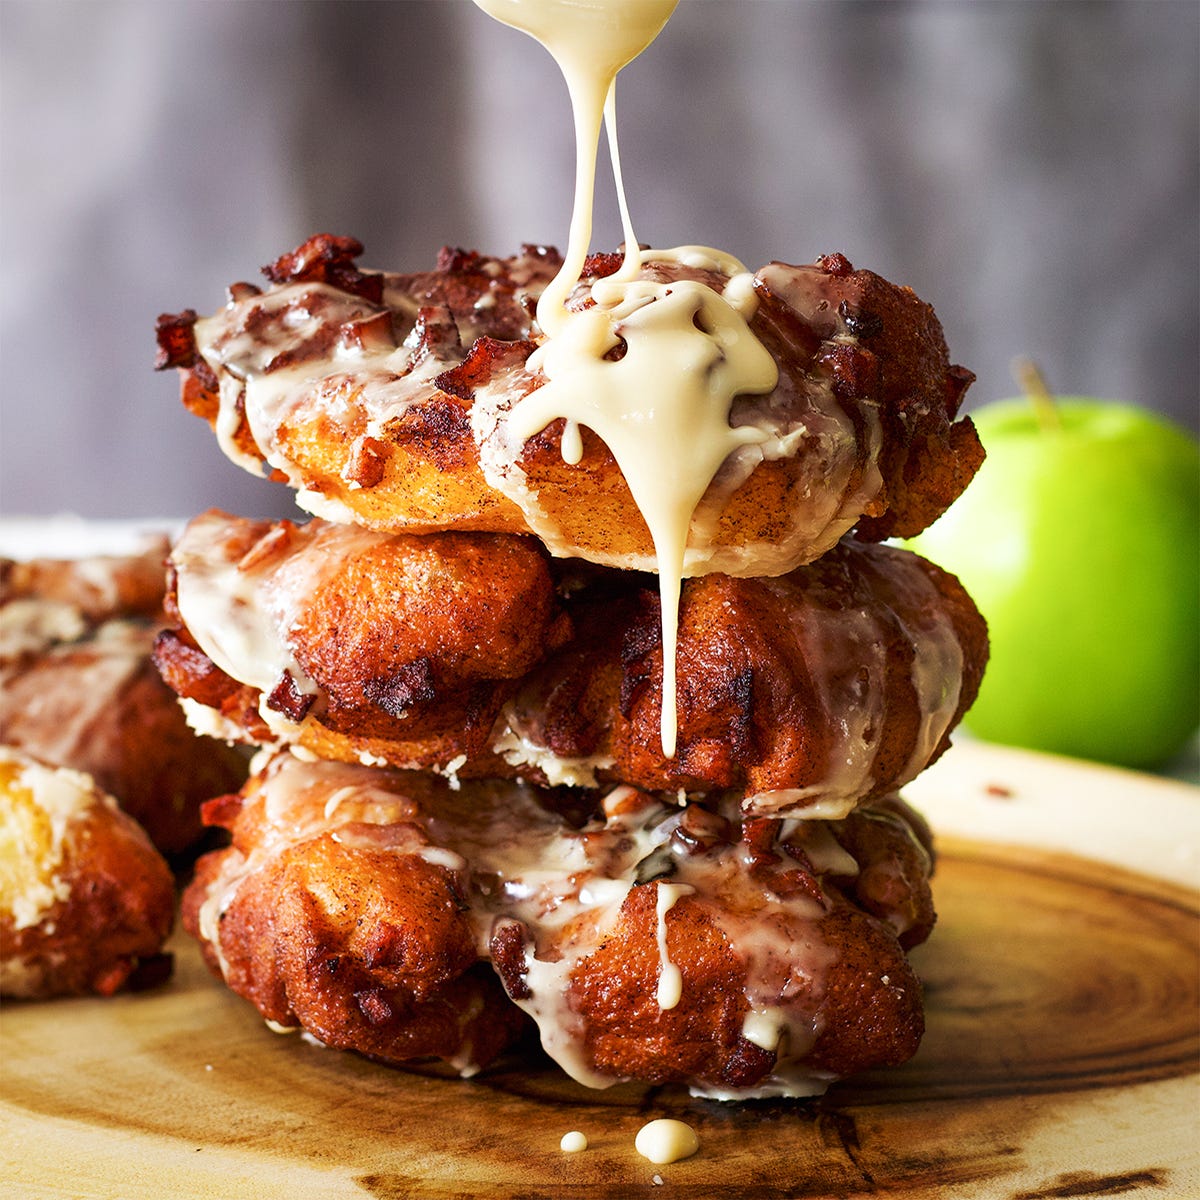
(1079, 540)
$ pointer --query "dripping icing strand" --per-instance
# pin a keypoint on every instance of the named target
(662, 406)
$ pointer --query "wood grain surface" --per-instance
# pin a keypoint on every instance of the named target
(1059, 1061)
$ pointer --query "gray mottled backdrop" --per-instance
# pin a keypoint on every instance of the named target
(1029, 168)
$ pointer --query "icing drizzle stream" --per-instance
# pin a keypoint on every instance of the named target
(650, 366)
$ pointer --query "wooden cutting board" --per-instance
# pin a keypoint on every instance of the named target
(1060, 1058)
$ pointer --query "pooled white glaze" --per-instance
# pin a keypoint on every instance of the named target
(666, 1141)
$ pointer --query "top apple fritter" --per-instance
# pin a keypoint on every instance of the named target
(384, 400)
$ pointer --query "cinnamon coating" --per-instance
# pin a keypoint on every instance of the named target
(86, 902)
(384, 400)
(78, 689)
(836, 683)
(365, 905)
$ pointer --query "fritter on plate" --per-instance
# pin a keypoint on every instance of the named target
(78, 689)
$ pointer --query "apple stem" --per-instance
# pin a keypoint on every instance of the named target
(1033, 384)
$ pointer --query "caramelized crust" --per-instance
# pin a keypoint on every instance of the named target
(883, 350)
(862, 1022)
(363, 905)
(326, 631)
(78, 689)
(332, 911)
(86, 902)
(383, 399)
(838, 682)
(785, 982)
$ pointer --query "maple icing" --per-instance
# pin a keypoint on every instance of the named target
(573, 1142)
(662, 406)
(566, 888)
(666, 1141)
(239, 610)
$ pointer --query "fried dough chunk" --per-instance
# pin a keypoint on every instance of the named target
(647, 941)
(78, 689)
(839, 682)
(86, 902)
(836, 683)
(333, 911)
(385, 400)
(99, 587)
(736, 956)
(340, 633)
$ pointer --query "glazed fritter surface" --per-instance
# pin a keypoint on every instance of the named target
(78, 689)
(86, 902)
(339, 633)
(376, 909)
(334, 910)
(838, 682)
(384, 400)
(98, 587)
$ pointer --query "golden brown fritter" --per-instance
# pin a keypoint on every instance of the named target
(378, 396)
(98, 587)
(653, 942)
(86, 902)
(739, 959)
(78, 689)
(836, 683)
(333, 911)
(340, 632)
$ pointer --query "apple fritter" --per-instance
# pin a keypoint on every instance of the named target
(385, 400)
(98, 587)
(334, 911)
(327, 631)
(78, 689)
(86, 902)
(836, 683)
(741, 956)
